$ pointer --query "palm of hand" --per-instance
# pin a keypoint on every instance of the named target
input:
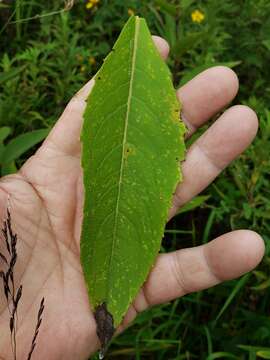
(45, 202)
(46, 198)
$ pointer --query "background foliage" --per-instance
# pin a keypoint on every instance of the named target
(49, 49)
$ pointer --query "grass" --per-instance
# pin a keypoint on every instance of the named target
(12, 293)
(49, 49)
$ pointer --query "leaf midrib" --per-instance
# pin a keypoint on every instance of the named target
(133, 61)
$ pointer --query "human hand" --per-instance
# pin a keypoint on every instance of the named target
(46, 197)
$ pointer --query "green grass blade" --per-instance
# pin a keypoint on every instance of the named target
(193, 204)
(222, 355)
(240, 283)
(8, 75)
(209, 340)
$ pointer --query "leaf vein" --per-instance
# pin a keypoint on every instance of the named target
(133, 61)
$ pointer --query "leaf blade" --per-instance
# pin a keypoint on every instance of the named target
(4, 133)
(132, 143)
(19, 145)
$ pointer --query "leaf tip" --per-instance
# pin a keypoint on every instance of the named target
(105, 328)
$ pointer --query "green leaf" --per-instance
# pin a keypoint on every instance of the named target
(19, 145)
(221, 355)
(264, 354)
(193, 204)
(264, 285)
(186, 4)
(4, 132)
(260, 275)
(257, 349)
(266, 43)
(167, 7)
(132, 144)
(2, 149)
(8, 75)
(187, 43)
(9, 168)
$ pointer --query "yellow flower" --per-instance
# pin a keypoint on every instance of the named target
(92, 60)
(91, 4)
(131, 12)
(82, 68)
(197, 16)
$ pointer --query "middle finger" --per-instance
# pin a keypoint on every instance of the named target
(206, 94)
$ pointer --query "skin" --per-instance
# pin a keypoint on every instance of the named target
(45, 199)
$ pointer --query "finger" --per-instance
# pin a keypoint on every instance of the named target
(206, 95)
(176, 274)
(65, 135)
(213, 151)
(162, 46)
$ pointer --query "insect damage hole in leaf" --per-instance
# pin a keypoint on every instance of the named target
(131, 138)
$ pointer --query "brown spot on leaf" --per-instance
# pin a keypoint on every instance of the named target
(105, 328)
